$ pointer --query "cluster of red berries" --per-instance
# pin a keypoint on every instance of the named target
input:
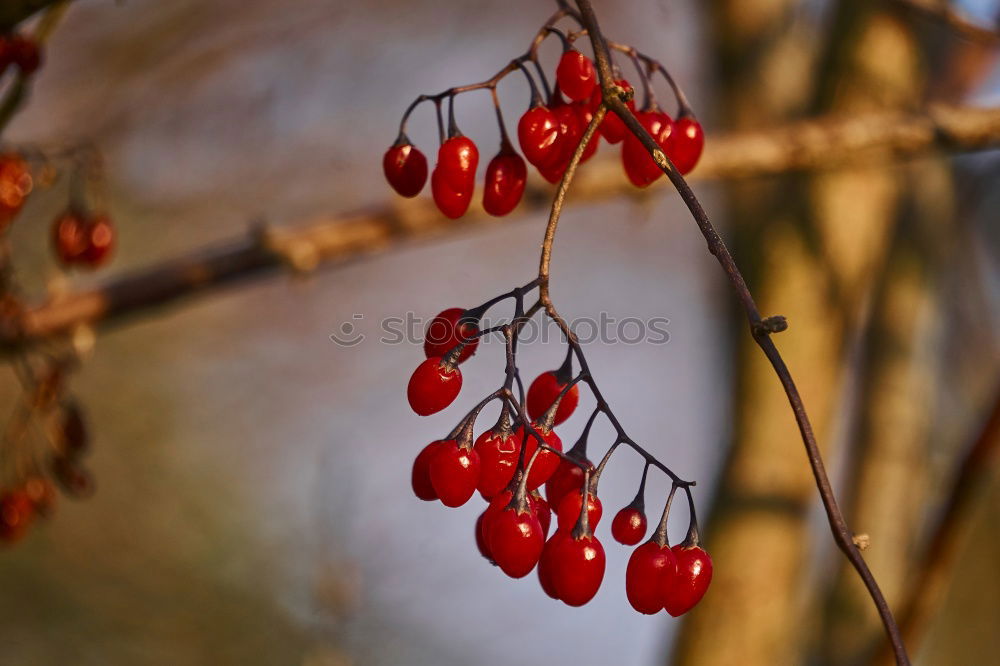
(510, 463)
(548, 133)
(21, 52)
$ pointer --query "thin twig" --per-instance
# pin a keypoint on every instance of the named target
(759, 329)
(945, 13)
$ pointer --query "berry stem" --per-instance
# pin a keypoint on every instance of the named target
(660, 535)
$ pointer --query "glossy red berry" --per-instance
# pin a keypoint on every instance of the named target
(451, 202)
(25, 53)
(454, 472)
(420, 478)
(16, 514)
(567, 478)
(542, 510)
(15, 185)
(547, 563)
(612, 128)
(651, 568)
(546, 461)
(570, 132)
(544, 391)
(433, 386)
(568, 511)
(506, 176)
(100, 242)
(694, 573)
(484, 548)
(496, 505)
(639, 166)
(516, 539)
(577, 568)
(576, 75)
(629, 526)
(70, 237)
(405, 168)
(687, 143)
(498, 450)
(537, 134)
(446, 330)
(458, 158)
(585, 114)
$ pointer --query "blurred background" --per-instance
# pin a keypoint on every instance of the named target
(253, 501)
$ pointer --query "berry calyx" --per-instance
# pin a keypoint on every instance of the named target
(448, 329)
(506, 176)
(629, 526)
(420, 478)
(515, 540)
(434, 385)
(567, 478)
(544, 391)
(577, 567)
(405, 167)
(576, 75)
(687, 143)
(538, 134)
(651, 570)
(568, 511)
(693, 576)
(454, 472)
(640, 168)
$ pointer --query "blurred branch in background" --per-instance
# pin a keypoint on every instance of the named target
(945, 12)
(13, 12)
(875, 138)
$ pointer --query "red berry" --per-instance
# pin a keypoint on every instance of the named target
(576, 75)
(497, 504)
(612, 127)
(547, 563)
(516, 541)
(100, 241)
(458, 158)
(433, 386)
(544, 391)
(650, 568)
(688, 140)
(498, 450)
(570, 132)
(542, 510)
(629, 526)
(70, 238)
(570, 506)
(577, 567)
(694, 573)
(484, 548)
(454, 472)
(446, 330)
(567, 477)
(506, 176)
(451, 202)
(585, 115)
(26, 54)
(639, 165)
(405, 168)
(421, 476)
(546, 462)
(15, 185)
(538, 133)
(16, 513)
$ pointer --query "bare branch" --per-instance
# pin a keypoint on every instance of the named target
(945, 13)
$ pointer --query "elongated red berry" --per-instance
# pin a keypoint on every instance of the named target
(454, 472)
(484, 548)
(516, 540)
(16, 515)
(687, 143)
(451, 202)
(496, 505)
(458, 158)
(25, 53)
(433, 386)
(70, 237)
(498, 450)
(639, 165)
(420, 478)
(546, 461)
(15, 185)
(543, 393)
(568, 511)
(446, 330)
(576, 75)
(629, 526)
(585, 115)
(537, 134)
(100, 242)
(542, 510)
(694, 573)
(547, 562)
(577, 568)
(651, 569)
(612, 128)
(570, 132)
(567, 477)
(405, 168)
(506, 176)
